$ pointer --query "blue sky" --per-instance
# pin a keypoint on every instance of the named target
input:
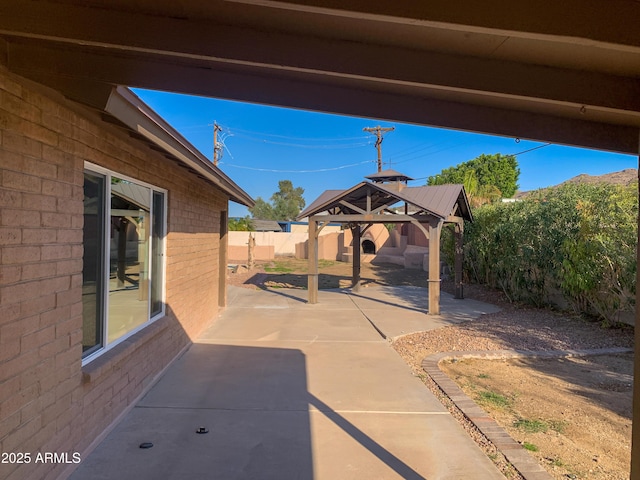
(320, 151)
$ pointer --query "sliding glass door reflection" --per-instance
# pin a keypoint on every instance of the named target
(129, 257)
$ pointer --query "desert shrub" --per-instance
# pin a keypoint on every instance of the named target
(576, 239)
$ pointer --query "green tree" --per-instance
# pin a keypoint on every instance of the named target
(241, 224)
(485, 177)
(287, 201)
(285, 204)
(262, 210)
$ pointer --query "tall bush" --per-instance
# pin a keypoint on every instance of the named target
(577, 240)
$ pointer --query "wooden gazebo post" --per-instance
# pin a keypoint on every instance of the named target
(356, 234)
(435, 227)
(458, 259)
(312, 283)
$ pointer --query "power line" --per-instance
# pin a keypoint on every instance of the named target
(530, 150)
(288, 137)
(416, 148)
(433, 152)
(299, 171)
(319, 147)
(508, 155)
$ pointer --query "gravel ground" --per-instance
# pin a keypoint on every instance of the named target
(516, 327)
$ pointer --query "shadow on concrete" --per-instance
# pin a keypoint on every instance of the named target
(393, 462)
(253, 401)
(283, 293)
(416, 304)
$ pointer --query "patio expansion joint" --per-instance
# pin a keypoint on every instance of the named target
(493, 433)
(312, 409)
(223, 409)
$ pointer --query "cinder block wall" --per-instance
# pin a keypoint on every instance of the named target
(48, 401)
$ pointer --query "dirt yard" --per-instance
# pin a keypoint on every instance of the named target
(572, 414)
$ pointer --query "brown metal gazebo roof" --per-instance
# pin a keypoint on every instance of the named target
(441, 201)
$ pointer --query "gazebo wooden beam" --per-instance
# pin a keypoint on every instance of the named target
(352, 207)
(359, 218)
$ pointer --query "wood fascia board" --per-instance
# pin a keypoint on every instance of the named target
(558, 125)
(143, 121)
(545, 19)
(196, 40)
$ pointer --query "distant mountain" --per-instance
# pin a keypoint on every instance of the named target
(624, 177)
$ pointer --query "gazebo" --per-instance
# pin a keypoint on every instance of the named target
(369, 202)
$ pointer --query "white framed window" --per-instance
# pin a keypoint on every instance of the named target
(123, 262)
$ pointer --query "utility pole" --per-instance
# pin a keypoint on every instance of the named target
(378, 132)
(217, 148)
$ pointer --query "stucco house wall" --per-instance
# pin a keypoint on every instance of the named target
(280, 243)
(414, 236)
(49, 402)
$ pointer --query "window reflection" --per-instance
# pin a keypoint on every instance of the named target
(123, 261)
(129, 257)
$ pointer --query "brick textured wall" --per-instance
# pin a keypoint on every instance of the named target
(48, 401)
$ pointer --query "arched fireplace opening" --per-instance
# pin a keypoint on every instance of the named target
(368, 247)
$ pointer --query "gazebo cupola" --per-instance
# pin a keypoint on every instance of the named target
(392, 179)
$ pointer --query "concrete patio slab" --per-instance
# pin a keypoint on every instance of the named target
(398, 311)
(262, 375)
(297, 323)
(363, 445)
(251, 298)
(289, 391)
(240, 444)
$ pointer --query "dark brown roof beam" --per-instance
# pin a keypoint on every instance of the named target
(380, 209)
(351, 206)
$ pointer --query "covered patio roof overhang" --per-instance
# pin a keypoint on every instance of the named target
(365, 204)
(564, 72)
